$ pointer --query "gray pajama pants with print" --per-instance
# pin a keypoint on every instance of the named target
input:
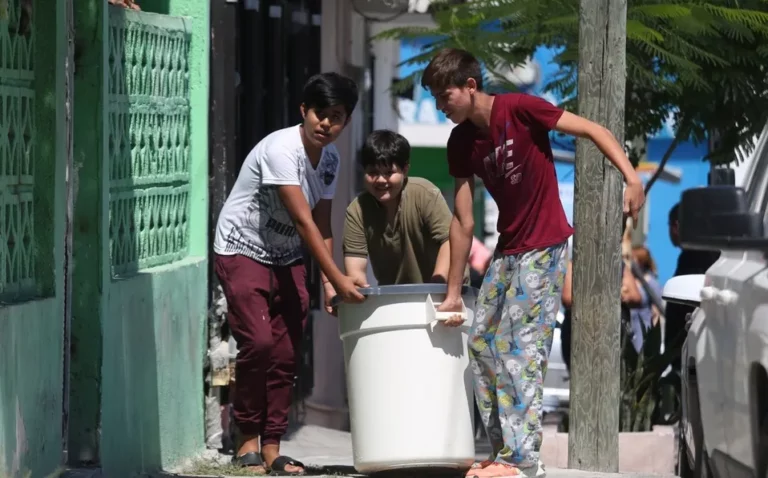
(509, 346)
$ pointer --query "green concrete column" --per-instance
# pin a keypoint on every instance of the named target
(91, 234)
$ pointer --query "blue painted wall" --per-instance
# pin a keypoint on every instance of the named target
(688, 157)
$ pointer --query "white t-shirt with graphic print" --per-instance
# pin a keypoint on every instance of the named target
(254, 222)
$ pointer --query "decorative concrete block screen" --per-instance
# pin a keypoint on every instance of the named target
(17, 148)
(148, 147)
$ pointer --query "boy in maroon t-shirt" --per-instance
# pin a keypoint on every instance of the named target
(504, 140)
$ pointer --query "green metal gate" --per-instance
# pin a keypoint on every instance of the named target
(33, 159)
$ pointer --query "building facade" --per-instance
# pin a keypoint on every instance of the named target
(104, 153)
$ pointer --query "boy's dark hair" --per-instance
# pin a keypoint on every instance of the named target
(324, 90)
(452, 67)
(384, 148)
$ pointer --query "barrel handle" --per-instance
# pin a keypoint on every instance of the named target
(433, 315)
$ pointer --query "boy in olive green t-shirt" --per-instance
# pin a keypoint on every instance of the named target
(399, 223)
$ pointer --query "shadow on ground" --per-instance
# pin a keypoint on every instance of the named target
(228, 470)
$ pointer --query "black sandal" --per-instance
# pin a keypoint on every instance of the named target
(278, 466)
(250, 459)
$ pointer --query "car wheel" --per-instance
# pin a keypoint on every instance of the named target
(764, 442)
(702, 465)
(684, 468)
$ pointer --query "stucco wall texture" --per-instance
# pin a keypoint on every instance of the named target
(30, 388)
(154, 326)
(152, 383)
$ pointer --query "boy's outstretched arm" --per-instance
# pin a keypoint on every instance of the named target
(298, 208)
(322, 217)
(357, 268)
(443, 263)
(462, 229)
(634, 197)
(437, 219)
(355, 247)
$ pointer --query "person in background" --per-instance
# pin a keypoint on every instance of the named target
(630, 297)
(399, 223)
(645, 315)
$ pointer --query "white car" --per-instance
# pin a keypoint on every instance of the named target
(724, 427)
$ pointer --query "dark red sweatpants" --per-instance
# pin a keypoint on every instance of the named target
(267, 310)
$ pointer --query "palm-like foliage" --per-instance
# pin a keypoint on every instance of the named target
(701, 62)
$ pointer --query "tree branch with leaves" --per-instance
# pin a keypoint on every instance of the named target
(701, 61)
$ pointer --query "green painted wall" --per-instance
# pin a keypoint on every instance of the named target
(141, 147)
(30, 388)
(137, 329)
(431, 163)
(152, 374)
(199, 60)
(173, 302)
(32, 326)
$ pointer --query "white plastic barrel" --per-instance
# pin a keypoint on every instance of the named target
(409, 382)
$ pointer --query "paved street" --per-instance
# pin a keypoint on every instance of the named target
(329, 454)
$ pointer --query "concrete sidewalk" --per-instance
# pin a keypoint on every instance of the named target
(328, 453)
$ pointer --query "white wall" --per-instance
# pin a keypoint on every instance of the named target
(387, 57)
(343, 42)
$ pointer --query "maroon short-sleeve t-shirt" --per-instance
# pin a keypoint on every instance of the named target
(514, 160)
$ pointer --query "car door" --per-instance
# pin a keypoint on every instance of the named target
(757, 358)
(742, 296)
(747, 292)
(708, 352)
(738, 298)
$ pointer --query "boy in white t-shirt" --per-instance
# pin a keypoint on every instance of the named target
(280, 202)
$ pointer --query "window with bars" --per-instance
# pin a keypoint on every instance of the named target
(17, 150)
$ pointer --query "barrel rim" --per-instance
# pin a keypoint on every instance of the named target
(410, 289)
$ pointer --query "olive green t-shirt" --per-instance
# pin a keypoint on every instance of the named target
(405, 251)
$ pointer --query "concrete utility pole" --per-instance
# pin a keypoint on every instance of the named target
(593, 441)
